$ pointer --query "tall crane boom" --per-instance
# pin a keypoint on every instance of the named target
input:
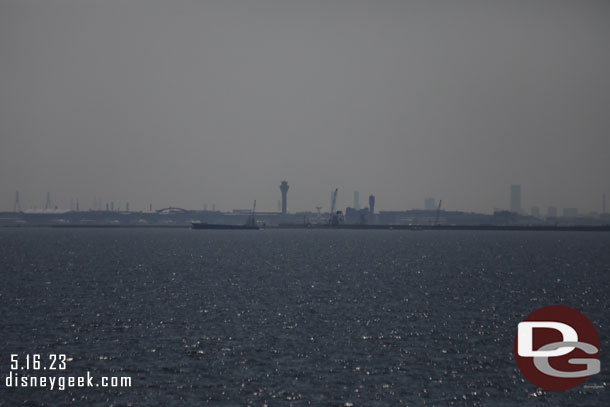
(438, 211)
(333, 203)
(336, 217)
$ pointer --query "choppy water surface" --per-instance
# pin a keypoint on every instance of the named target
(295, 317)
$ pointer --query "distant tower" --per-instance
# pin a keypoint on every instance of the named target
(213, 207)
(357, 200)
(107, 207)
(284, 189)
(149, 207)
(603, 203)
(429, 204)
(372, 204)
(17, 204)
(77, 206)
(127, 207)
(47, 204)
(112, 206)
(515, 198)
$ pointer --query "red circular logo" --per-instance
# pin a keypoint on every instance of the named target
(556, 348)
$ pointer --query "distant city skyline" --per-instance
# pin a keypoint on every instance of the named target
(210, 102)
(514, 205)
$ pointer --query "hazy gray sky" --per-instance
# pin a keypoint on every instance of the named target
(190, 102)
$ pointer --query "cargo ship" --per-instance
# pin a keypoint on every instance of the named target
(216, 226)
(249, 225)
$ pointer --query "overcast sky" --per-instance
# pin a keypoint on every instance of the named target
(189, 102)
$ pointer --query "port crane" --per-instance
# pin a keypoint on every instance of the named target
(336, 217)
(438, 212)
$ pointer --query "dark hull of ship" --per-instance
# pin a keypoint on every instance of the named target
(222, 226)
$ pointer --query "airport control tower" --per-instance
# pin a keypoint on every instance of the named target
(284, 189)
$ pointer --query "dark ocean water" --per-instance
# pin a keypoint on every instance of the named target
(294, 317)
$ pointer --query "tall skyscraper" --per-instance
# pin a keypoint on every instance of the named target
(429, 204)
(515, 198)
(357, 200)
